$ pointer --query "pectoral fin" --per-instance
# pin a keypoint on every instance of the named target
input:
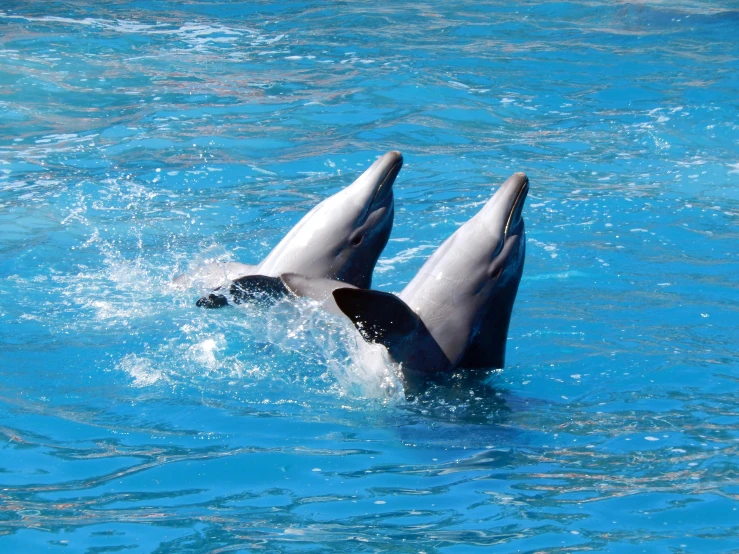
(244, 289)
(385, 319)
(256, 287)
(379, 316)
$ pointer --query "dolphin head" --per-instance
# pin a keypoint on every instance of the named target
(500, 227)
(343, 236)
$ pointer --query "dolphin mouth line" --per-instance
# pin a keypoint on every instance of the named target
(391, 173)
(516, 203)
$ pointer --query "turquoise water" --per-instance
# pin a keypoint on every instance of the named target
(138, 139)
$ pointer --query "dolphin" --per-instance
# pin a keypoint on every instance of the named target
(455, 312)
(340, 239)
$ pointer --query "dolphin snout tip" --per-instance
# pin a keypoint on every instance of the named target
(521, 177)
(390, 164)
(393, 157)
(381, 176)
(518, 181)
(506, 205)
(516, 185)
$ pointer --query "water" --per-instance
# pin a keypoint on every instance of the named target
(138, 139)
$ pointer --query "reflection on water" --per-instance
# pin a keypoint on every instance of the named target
(137, 141)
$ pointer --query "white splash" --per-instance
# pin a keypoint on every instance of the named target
(204, 352)
(144, 375)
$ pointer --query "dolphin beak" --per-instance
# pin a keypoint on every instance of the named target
(519, 188)
(503, 212)
(388, 167)
(376, 184)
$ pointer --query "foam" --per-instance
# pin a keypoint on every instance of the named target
(141, 370)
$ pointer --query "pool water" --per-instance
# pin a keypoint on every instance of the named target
(140, 139)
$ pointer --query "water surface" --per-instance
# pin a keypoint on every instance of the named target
(138, 139)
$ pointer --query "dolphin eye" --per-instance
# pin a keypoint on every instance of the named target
(357, 240)
(497, 272)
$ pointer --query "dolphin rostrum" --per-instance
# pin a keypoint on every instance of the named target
(456, 310)
(340, 239)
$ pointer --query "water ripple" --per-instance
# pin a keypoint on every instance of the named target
(139, 140)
